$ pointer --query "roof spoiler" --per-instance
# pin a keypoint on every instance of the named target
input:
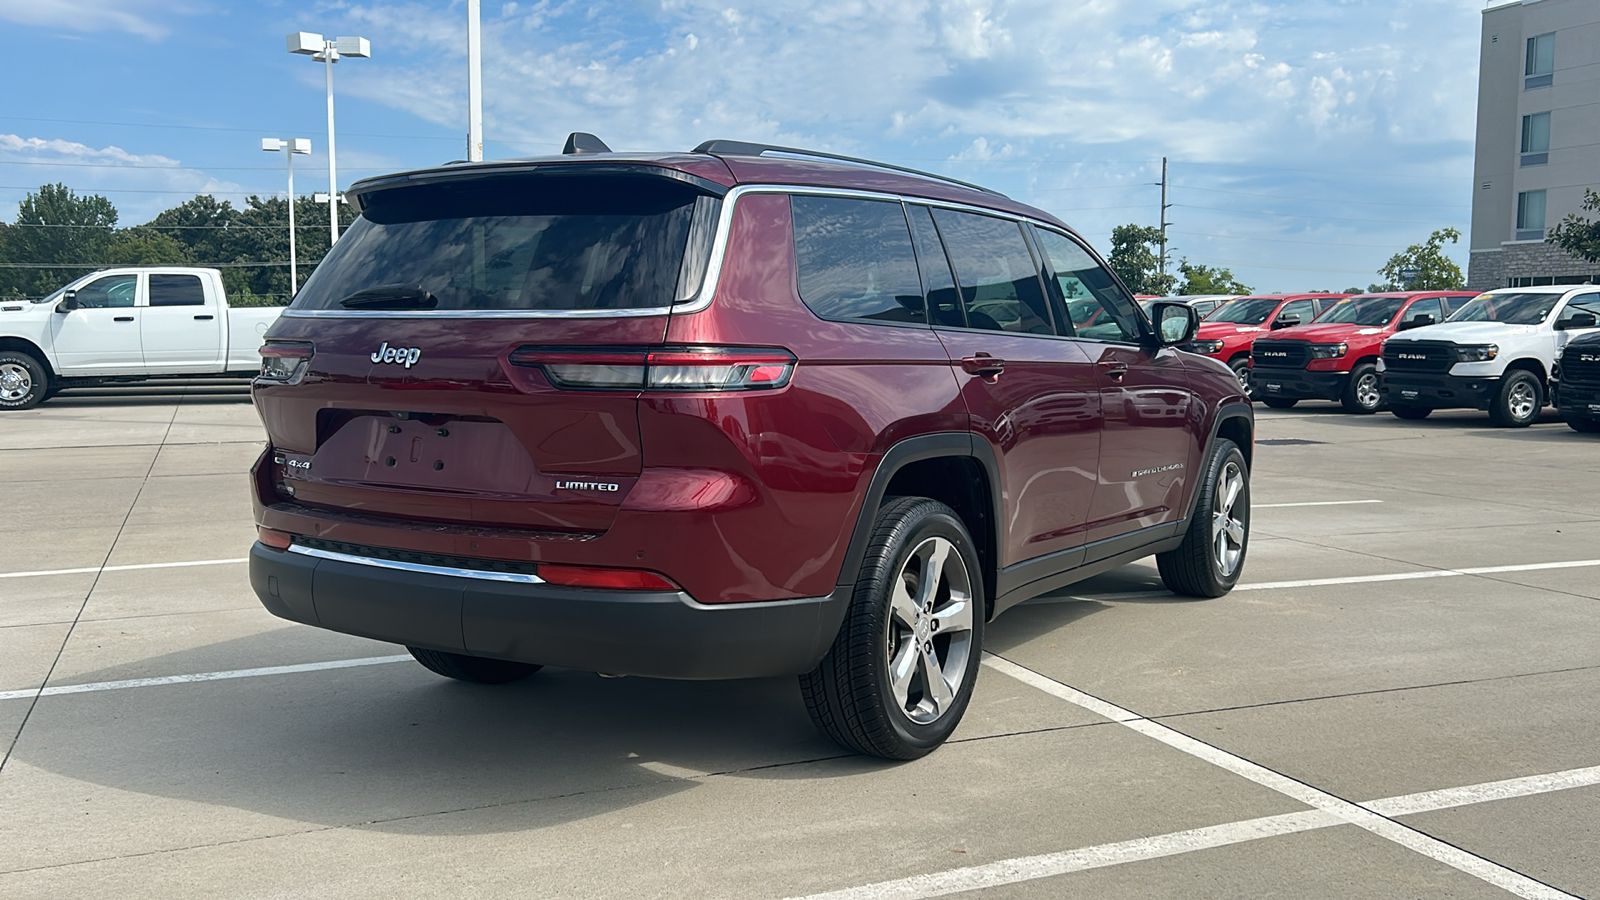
(742, 148)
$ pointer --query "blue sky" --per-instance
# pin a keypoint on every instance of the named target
(1307, 140)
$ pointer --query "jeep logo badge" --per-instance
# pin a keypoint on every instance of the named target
(401, 355)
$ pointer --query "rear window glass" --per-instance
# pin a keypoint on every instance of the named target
(522, 242)
(854, 259)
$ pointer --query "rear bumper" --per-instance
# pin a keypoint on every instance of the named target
(1298, 384)
(663, 635)
(1438, 391)
(1577, 401)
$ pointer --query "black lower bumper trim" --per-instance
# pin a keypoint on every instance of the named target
(1578, 401)
(663, 635)
(1298, 384)
(1438, 391)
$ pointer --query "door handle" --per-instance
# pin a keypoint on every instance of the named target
(122, 318)
(203, 318)
(1114, 370)
(983, 365)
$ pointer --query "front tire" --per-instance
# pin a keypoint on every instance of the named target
(901, 671)
(1243, 374)
(1280, 402)
(1361, 394)
(1519, 401)
(1211, 557)
(24, 381)
(472, 669)
(1412, 413)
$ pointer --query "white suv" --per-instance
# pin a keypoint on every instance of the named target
(1495, 353)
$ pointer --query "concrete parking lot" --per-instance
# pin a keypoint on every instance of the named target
(1401, 700)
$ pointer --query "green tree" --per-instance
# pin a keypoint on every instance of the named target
(55, 227)
(1202, 279)
(1576, 234)
(1434, 270)
(143, 246)
(1133, 259)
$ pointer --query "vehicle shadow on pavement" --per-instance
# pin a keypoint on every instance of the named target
(377, 744)
(92, 399)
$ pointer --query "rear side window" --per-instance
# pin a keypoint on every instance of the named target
(1427, 306)
(855, 260)
(1303, 310)
(1000, 287)
(176, 290)
(943, 299)
(529, 241)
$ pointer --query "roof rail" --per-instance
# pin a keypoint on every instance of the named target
(742, 148)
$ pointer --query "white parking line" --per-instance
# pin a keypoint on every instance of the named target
(94, 687)
(1352, 813)
(1315, 503)
(92, 569)
(1048, 865)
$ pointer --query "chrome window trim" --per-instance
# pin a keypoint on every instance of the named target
(478, 574)
(708, 283)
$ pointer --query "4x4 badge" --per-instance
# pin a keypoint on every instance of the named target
(402, 355)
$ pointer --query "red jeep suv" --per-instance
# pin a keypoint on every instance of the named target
(726, 414)
(1336, 357)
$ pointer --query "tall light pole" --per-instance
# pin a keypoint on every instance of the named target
(292, 146)
(328, 52)
(474, 85)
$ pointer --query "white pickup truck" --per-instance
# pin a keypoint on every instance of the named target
(126, 325)
(1495, 353)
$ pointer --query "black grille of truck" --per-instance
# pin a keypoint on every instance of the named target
(1419, 356)
(1581, 365)
(1280, 354)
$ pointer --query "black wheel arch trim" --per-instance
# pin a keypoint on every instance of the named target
(23, 345)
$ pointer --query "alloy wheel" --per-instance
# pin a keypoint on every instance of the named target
(1227, 528)
(15, 381)
(1523, 401)
(930, 630)
(1367, 391)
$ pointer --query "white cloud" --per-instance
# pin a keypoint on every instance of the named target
(131, 16)
(140, 185)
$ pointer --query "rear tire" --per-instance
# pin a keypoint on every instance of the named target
(1584, 426)
(1413, 413)
(1211, 557)
(473, 669)
(1519, 401)
(1361, 391)
(1280, 402)
(24, 381)
(901, 670)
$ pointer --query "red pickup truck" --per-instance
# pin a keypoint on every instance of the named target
(1336, 357)
(1227, 334)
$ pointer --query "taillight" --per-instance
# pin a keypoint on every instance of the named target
(271, 537)
(285, 360)
(615, 579)
(667, 369)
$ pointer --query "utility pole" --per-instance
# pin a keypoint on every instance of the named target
(474, 85)
(1164, 223)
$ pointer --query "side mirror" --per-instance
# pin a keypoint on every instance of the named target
(69, 302)
(1175, 323)
(1417, 322)
(1578, 320)
(1286, 322)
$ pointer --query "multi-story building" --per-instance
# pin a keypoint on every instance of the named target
(1538, 139)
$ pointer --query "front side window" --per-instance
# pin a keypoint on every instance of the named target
(994, 269)
(176, 290)
(1245, 311)
(1583, 303)
(1373, 312)
(1510, 308)
(855, 260)
(112, 291)
(1095, 305)
(529, 241)
(1530, 215)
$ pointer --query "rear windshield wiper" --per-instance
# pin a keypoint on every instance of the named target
(391, 296)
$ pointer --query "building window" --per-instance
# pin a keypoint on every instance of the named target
(1536, 139)
(1530, 216)
(1541, 63)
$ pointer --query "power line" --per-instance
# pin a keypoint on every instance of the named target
(1322, 200)
(220, 265)
(1239, 237)
(77, 165)
(165, 227)
(1262, 212)
(408, 137)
